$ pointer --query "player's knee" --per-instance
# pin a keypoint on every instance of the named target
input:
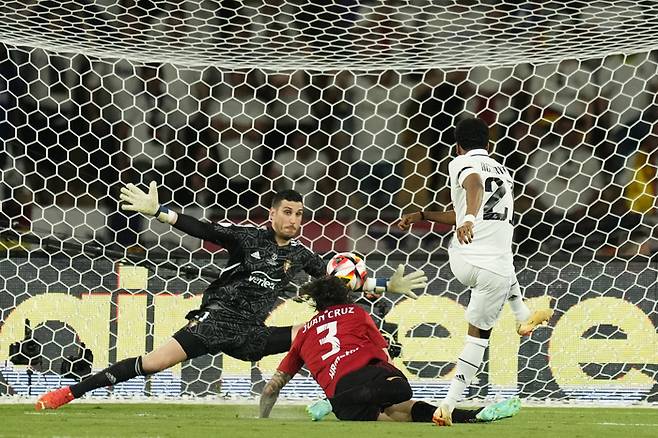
(152, 364)
(165, 356)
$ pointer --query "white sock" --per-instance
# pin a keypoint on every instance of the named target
(516, 303)
(468, 365)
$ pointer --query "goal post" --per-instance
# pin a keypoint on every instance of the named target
(354, 105)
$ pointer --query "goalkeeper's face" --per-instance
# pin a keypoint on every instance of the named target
(286, 219)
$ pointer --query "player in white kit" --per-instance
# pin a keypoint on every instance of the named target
(480, 252)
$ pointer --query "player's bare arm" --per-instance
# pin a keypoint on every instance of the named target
(271, 392)
(442, 217)
(474, 193)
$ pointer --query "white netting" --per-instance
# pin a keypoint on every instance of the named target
(570, 113)
(336, 34)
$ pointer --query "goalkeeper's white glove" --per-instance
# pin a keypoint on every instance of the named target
(403, 284)
(147, 203)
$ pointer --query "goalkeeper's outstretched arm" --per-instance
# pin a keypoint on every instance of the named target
(148, 204)
(398, 283)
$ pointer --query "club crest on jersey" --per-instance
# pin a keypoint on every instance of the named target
(286, 265)
(273, 259)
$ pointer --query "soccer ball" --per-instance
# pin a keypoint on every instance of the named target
(350, 267)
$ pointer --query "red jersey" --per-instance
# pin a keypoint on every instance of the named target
(335, 342)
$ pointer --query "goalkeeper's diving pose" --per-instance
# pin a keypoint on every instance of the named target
(261, 263)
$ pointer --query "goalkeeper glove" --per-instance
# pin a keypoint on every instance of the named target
(146, 203)
(403, 284)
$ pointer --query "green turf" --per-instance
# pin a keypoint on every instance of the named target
(166, 420)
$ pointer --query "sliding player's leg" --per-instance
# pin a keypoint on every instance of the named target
(403, 411)
(166, 356)
(422, 412)
(364, 393)
(497, 411)
(189, 342)
(206, 332)
(503, 409)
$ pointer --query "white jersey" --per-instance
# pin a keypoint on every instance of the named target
(491, 247)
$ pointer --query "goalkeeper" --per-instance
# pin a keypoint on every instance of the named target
(262, 262)
(348, 357)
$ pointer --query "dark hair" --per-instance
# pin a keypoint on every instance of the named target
(472, 133)
(287, 195)
(327, 291)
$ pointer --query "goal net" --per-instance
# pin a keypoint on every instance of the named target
(354, 105)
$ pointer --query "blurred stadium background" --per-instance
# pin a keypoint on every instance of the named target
(353, 104)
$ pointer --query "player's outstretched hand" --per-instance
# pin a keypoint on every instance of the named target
(403, 284)
(136, 200)
(408, 219)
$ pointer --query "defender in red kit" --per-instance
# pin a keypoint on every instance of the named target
(348, 357)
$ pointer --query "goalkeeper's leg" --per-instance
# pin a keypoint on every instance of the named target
(187, 343)
(166, 356)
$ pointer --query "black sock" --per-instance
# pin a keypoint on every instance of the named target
(465, 415)
(117, 373)
(422, 412)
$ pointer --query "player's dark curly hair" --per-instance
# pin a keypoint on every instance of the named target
(472, 133)
(287, 195)
(327, 291)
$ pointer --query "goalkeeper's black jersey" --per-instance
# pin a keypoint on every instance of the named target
(258, 269)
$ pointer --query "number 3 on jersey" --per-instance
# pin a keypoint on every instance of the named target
(330, 338)
(488, 213)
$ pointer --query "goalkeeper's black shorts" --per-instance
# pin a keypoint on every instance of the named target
(363, 394)
(211, 332)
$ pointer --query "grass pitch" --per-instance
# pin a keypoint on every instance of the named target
(194, 420)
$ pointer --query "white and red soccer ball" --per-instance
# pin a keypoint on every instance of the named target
(350, 267)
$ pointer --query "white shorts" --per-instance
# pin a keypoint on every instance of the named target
(489, 291)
